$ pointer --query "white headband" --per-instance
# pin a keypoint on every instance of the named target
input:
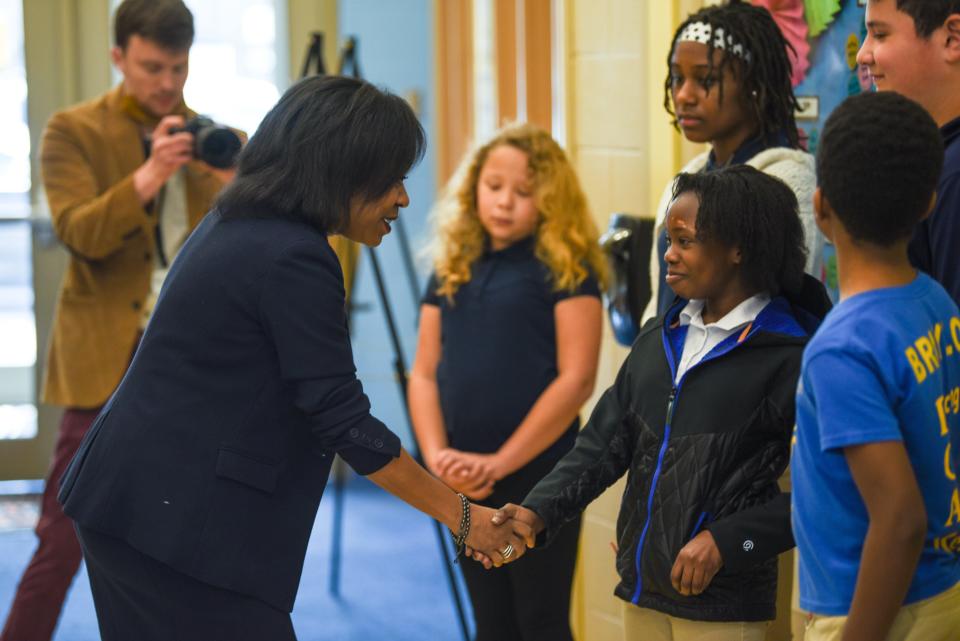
(702, 32)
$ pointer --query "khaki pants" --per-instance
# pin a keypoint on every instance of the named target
(933, 619)
(643, 624)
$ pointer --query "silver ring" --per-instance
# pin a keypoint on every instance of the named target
(507, 552)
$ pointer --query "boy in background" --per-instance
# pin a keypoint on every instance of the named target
(876, 512)
(913, 47)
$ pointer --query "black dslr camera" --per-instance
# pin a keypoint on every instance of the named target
(214, 144)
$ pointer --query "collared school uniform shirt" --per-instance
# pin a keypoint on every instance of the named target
(701, 338)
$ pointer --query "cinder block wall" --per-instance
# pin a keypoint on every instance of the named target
(625, 152)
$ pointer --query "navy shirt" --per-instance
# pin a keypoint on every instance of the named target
(499, 348)
(935, 242)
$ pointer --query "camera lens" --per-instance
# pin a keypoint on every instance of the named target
(217, 146)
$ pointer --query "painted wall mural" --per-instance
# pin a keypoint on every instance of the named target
(826, 35)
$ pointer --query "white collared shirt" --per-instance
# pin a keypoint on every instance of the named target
(703, 338)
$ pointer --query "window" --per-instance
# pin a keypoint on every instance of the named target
(18, 344)
(236, 70)
(14, 134)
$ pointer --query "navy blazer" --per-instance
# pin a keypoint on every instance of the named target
(214, 451)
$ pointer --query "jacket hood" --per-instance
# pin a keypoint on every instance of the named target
(810, 303)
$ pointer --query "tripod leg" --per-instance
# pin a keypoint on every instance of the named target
(407, 254)
(336, 543)
(401, 374)
(451, 578)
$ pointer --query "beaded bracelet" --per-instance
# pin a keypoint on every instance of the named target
(460, 538)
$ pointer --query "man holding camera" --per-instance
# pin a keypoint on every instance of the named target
(124, 191)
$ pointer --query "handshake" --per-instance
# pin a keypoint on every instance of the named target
(496, 536)
(501, 536)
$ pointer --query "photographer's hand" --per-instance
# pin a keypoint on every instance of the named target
(168, 152)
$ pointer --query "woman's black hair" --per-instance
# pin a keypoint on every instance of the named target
(764, 78)
(742, 207)
(328, 140)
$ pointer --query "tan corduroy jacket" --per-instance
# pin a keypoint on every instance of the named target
(88, 155)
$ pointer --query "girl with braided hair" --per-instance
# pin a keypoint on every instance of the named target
(728, 84)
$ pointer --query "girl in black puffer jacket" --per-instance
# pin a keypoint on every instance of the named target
(701, 415)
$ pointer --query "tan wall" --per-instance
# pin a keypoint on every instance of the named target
(303, 18)
(625, 152)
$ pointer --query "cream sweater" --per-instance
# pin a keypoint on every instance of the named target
(792, 166)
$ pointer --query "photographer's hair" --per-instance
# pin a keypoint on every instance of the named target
(878, 162)
(928, 15)
(742, 207)
(328, 140)
(764, 75)
(167, 23)
(566, 236)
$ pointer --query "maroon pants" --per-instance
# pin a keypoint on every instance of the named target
(44, 584)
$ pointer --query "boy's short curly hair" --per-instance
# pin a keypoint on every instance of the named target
(740, 206)
(878, 163)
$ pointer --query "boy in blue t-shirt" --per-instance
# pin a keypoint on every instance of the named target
(876, 511)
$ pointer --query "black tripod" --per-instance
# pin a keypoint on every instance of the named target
(348, 60)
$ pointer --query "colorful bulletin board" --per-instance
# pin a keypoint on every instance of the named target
(827, 35)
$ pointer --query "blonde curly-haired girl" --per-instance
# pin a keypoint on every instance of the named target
(507, 354)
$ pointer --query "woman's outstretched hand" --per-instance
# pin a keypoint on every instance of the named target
(494, 541)
(523, 522)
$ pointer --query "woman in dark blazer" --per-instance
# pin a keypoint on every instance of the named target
(195, 491)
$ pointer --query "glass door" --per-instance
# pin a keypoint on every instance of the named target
(23, 454)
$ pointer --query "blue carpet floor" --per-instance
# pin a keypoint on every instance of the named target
(393, 587)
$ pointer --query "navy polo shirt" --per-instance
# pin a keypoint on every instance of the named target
(499, 348)
(935, 242)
